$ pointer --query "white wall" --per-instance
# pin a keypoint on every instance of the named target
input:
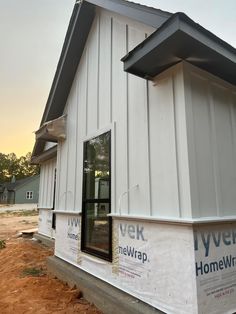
(147, 125)
(45, 223)
(46, 185)
(167, 136)
(211, 116)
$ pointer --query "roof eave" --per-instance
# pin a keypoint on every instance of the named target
(44, 156)
(144, 14)
(180, 39)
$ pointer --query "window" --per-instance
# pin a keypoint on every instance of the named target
(29, 195)
(96, 226)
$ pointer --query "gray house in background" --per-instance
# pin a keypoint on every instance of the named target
(20, 192)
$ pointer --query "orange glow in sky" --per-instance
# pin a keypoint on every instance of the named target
(32, 35)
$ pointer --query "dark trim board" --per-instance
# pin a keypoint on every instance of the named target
(106, 297)
(141, 13)
(180, 39)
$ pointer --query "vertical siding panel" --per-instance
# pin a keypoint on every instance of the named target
(76, 144)
(53, 164)
(226, 162)
(71, 142)
(81, 118)
(104, 71)
(58, 177)
(203, 152)
(138, 136)
(43, 185)
(63, 173)
(181, 144)
(53, 181)
(119, 109)
(214, 150)
(48, 184)
(149, 150)
(191, 147)
(41, 182)
(92, 101)
(164, 177)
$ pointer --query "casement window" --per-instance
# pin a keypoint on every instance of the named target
(29, 195)
(96, 225)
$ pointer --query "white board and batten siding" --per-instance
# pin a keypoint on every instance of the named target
(174, 138)
(46, 194)
(46, 186)
(145, 121)
(211, 116)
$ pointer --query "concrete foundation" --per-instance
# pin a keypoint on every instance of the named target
(106, 297)
(44, 240)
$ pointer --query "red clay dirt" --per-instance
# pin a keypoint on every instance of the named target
(25, 288)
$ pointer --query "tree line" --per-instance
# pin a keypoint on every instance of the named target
(11, 165)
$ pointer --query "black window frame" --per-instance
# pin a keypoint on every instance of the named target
(96, 253)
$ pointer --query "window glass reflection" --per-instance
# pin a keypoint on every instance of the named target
(96, 167)
(97, 226)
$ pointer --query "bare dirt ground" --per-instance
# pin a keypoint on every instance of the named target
(15, 207)
(25, 287)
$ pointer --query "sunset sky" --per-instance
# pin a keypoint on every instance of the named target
(32, 33)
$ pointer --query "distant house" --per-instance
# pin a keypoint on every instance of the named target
(21, 191)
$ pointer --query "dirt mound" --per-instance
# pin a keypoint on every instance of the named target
(25, 287)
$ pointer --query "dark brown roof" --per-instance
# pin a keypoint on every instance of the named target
(18, 183)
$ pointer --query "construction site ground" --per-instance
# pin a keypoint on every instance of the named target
(25, 286)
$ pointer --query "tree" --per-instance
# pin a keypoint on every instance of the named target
(20, 167)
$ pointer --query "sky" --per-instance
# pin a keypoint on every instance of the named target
(32, 33)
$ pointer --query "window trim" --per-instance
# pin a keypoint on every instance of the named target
(30, 193)
(85, 201)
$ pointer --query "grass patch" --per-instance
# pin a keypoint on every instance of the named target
(19, 213)
(23, 212)
(2, 244)
(33, 272)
